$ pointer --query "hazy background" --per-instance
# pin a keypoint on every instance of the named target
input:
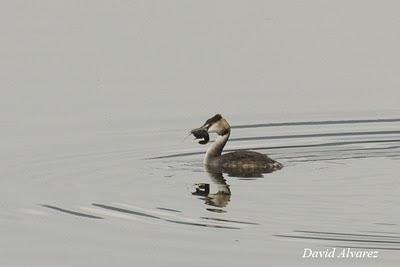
(89, 89)
(74, 60)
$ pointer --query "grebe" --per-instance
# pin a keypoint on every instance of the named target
(241, 162)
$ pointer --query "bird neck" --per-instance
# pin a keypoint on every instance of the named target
(216, 148)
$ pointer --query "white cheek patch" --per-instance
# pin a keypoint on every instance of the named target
(213, 128)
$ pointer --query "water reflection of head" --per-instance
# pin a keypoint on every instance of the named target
(218, 197)
(219, 194)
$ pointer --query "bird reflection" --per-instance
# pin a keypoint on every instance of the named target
(218, 193)
(220, 197)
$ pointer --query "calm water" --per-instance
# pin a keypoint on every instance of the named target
(97, 98)
(102, 193)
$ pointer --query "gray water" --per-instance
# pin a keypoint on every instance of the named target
(120, 195)
(97, 99)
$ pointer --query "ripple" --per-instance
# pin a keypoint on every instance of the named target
(80, 214)
(331, 122)
(344, 238)
(327, 144)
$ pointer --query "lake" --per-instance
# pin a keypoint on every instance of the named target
(98, 98)
(106, 194)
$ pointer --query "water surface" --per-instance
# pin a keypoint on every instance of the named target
(135, 193)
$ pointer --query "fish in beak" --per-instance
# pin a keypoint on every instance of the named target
(201, 133)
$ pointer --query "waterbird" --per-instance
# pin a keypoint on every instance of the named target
(241, 162)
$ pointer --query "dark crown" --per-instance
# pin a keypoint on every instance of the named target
(214, 119)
